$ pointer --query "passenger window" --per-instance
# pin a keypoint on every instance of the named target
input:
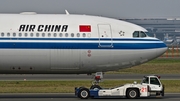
(66, 34)
(31, 34)
(60, 34)
(37, 34)
(55, 34)
(84, 34)
(43, 34)
(136, 34)
(78, 35)
(49, 34)
(8, 34)
(89, 35)
(2, 34)
(20, 34)
(14, 34)
(26, 34)
(72, 34)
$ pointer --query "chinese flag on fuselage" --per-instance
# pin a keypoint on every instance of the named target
(84, 28)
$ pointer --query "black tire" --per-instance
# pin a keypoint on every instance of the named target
(158, 93)
(83, 93)
(132, 93)
(95, 87)
(162, 92)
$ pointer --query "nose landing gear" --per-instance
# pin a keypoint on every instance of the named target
(97, 79)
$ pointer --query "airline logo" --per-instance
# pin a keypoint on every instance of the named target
(43, 28)
(84, 28)
(51, 28)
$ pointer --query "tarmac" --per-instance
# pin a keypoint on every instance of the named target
(71, 97)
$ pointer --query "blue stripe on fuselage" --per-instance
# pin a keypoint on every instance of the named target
(37, 45)
(87, 39)
(120, 43)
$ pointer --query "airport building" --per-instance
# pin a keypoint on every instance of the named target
(166, 29)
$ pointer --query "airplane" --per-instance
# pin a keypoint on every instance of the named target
(32, 43)
(171, 41)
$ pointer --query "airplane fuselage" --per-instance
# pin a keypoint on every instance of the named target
(72, 44)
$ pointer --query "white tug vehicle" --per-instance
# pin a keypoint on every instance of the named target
(148, 85)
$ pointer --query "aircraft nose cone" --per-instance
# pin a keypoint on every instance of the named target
(161, 49)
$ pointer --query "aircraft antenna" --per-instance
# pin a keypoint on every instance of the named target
(67, 13)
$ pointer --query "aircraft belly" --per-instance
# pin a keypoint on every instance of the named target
(24, 60)
(68, 61)
(129, 58)
(107, 60)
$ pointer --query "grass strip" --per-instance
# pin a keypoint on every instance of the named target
(157, 66)
(171, 86)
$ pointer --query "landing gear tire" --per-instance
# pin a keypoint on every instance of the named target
(132, 93)
(95, 87)
(83, 93)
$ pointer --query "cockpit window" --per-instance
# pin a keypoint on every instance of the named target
(142, 34)
(149, 34)
(136, 34)
(139, 34)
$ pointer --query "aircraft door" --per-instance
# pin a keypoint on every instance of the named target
(105, 35)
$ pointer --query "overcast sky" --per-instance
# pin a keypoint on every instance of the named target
(108, 8)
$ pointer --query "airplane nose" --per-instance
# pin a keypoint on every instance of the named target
(161, 48)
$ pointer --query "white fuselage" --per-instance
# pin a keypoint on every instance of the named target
(71, 44)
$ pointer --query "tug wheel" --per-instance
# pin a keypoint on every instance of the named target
(83, 93)
(162, 92)
(132, 93)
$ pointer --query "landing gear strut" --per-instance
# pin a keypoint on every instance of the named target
(97, 79)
